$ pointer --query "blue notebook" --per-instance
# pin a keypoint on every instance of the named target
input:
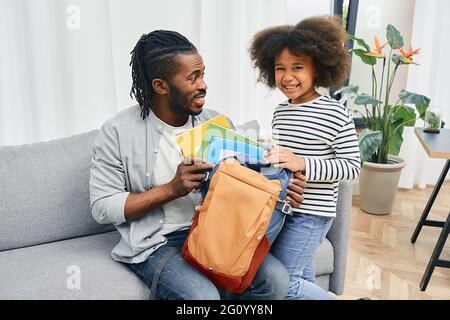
(220, 148)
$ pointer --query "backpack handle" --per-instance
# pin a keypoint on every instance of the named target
(266, 169)
(269, 171)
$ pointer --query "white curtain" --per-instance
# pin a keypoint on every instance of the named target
(64, 64)
(56, 68)
(431, 31)
(226, 31)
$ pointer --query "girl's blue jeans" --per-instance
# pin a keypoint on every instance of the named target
(295, 246)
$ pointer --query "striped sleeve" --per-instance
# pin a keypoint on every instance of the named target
(345, 166)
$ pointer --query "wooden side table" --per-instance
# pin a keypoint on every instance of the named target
(436, 145)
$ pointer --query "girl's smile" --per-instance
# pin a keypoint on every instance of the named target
(294, 76)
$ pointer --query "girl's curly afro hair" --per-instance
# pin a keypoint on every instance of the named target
(321, 38)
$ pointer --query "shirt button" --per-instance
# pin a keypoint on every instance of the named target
(162, 240)
(155, 150)
(161, 221)
(147, 174)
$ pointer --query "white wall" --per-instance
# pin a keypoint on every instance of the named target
(300, 9)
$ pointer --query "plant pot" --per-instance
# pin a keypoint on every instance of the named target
(378, 185)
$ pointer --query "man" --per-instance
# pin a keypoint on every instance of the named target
(141, 183)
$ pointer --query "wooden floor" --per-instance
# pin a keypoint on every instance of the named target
(382, 263)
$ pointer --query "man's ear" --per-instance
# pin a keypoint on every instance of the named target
(160, 86)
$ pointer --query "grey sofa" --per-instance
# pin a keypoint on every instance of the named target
(52, 248)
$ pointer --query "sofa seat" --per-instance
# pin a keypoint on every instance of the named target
(44, 271)
(323, 260)
(47, 271)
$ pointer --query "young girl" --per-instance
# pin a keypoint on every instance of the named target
(315, 134)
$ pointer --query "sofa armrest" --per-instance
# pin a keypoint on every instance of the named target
(338, 236)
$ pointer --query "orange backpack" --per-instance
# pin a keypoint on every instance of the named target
(228, 241)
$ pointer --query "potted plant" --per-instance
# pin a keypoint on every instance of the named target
(384, 119)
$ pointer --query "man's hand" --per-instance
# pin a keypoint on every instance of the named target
(297, 185)
(189, 176)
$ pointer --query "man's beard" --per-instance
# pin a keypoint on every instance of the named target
(179, 103)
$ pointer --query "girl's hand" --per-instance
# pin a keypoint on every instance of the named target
(284, 158)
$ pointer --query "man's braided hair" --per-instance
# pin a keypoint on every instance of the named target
(154, 57)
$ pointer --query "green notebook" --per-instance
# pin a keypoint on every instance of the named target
(221, 132)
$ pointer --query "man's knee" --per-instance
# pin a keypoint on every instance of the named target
(273, 278)
(202, 292)
(278, 279)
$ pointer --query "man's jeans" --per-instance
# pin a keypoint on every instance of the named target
(180, 281)
(295, 247)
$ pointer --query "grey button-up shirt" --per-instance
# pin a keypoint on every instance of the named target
(123, 162)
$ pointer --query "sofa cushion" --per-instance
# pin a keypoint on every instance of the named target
(323, 281)
(44, 194)
(49, 271)
(323, 259)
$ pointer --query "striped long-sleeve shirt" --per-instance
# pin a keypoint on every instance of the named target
(322, 131)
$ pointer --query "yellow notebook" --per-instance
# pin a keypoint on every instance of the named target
(191, 140)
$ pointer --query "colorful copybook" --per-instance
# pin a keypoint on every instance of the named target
(191, 140)
(214, 130)
(220, 148)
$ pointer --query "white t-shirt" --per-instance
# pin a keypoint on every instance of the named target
(179, 212)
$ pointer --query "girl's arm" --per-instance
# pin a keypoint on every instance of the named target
(345, 166)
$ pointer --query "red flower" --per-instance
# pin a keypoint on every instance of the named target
(377, 50)
(407, 55)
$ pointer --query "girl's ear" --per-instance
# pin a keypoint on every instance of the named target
(160, 86)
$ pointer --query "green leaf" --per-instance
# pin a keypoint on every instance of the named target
(404, 114)
(365, 99)
(369, 141)
(366, 59)
(413, 98)
(433, 120)
(394, 37)
(360, 41)
(422, 109)
(347, 92)
(395, 142)
(397, 59)
(421, 102)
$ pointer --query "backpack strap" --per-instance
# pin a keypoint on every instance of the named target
(270, 172)
(284, 176)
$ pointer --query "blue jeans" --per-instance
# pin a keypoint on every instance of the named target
(275, 225)
(180, 281)
(295, 247)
